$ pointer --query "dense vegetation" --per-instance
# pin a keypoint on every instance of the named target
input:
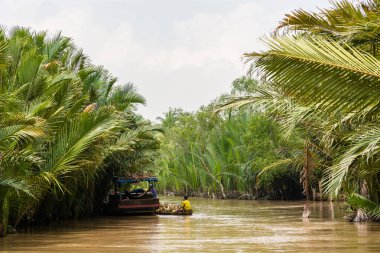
(65, 129)
(221, 155)
(320, 77)
(323, 70)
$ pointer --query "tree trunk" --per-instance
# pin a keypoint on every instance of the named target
(320, 190)
(361, 216)
(364, 189)
(4, 215)
(2, 231)
(306, 210)
(305, 174)
(305, 177)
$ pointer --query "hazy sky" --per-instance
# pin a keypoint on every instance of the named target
(179, 53)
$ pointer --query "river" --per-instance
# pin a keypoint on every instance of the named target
(216, 225)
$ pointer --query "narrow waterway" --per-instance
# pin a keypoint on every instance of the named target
(216, 225)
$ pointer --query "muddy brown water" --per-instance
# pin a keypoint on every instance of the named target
(215, 226)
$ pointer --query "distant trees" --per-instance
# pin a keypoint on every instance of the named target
(209, 154)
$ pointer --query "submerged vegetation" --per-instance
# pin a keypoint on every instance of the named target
(65, 129)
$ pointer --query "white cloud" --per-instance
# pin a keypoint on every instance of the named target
(210, 37)
(206, 56)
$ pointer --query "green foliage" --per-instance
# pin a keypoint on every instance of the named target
(357, 202)
(244, 86)
(64, 129)
(207, 154)
(320, 77)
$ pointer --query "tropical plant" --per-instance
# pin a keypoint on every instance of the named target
(327, 63)
(220, 155)
(63, 124)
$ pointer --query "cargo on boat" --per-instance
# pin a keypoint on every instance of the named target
(172, 209)
(123, 200)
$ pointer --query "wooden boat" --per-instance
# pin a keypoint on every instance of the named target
(135, 202)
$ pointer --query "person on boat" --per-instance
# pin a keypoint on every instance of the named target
(186, 205)
(153, 191)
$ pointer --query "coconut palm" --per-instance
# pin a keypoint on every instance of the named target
(327, 63)
(317, 68)
(330, 66)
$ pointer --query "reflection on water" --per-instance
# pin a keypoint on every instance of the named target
(216, 225)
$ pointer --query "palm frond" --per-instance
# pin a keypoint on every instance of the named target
(74, 139)
(123, 96)
(321, 73)
(344, 22)
(364, 144)
(15, 184)
(281, 163)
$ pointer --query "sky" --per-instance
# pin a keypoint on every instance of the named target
(178, 53)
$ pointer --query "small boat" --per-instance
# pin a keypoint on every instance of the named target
(138, 201)
(172, 209)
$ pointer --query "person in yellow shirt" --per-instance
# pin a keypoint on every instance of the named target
(186, 206)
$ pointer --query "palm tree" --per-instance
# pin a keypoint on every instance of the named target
(61, 118)
(327, 62)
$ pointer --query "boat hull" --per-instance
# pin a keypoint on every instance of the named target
(132, 206)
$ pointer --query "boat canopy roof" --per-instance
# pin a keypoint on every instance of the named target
(124, 180)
